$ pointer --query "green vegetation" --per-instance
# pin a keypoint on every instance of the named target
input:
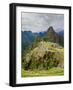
(44, 56)
(50, 72)
(47, 59)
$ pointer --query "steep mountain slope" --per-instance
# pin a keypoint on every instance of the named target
(27, 39)
(61, 33)
(52, 36)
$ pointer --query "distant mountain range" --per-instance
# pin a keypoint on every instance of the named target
(61, 33)
(28, 37)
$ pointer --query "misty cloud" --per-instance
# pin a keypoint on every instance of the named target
(37, 22)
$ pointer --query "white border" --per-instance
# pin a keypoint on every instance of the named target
(19, 79)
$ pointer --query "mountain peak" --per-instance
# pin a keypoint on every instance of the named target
(50, 32)
(50, 29)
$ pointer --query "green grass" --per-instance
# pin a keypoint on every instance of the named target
(50, 72)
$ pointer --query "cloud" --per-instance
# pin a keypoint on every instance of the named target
(37, 22)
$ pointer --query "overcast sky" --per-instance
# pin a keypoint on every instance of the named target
(37, 22)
